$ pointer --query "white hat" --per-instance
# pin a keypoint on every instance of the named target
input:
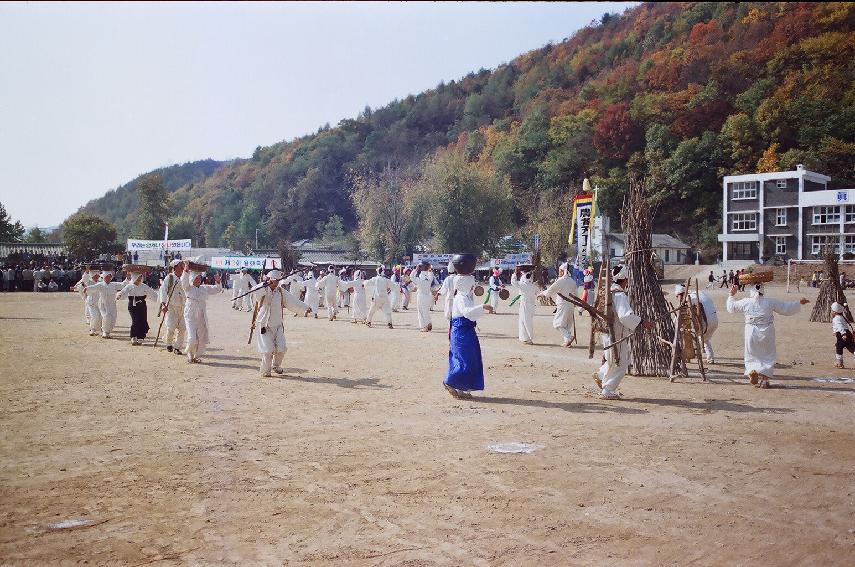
(174, 263)
(106, 273)
(450, 267)
(621, 274)
(275, 275)
(564, 268)
(679, 288)
(836, 308)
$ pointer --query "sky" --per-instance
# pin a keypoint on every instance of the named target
(94, 94)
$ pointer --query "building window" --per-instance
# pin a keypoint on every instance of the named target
(849, 243)
(667, 255)
(780, 217)
(826, 215)
(850, 213)
(820, 244)
(742, 249)
(781, 184)
(780, 244)
(744, 221)
(745, 190)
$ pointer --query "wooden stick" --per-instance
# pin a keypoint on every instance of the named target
(254, 315)
(166, 308)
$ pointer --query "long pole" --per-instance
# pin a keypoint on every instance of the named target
(256, 238)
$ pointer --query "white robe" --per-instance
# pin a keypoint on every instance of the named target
(196, 315)
(528, 304)
(395, 296)
(447, 292)
(313, 297)
(612, 371)
(381, 297)
(495, 287)
(359, 307)
(329, 283)
(424, 297)
(107, 305)
(760, 351)
(92, 303)
(175, 326)
(271, 343)
(85, 280)
(564, 318)
(712, 322)
(244, 283)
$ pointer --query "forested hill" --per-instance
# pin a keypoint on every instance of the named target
(119, 204)
(680, 93)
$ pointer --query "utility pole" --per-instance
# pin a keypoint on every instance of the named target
(256, 238)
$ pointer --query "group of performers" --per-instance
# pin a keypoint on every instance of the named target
(182, 301)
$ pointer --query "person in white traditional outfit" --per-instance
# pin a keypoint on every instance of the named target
(92, 301)
(709, 318)
(330, 283)
(312, 298)
(172, 300)
(381, 297)
(447, 290)
(616, 360)
(760, 351)
(137, 292)
(406, 288)
(528, 304)
(85, 280)
(395, 297)
(496, 286)
(247, 283)
(359, 303)
(235, 278)
(842, 332)
(107, 303)
(422, 280)
(270, 338)
(196, 312)
(294, 284)
(564, 319)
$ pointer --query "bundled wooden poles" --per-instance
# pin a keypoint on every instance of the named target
(829, 291)
(651, 356)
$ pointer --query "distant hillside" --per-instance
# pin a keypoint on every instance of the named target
(118, 204)
(681, 93)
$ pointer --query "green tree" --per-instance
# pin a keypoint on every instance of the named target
(87, 236)
(9, 231)
(384, 219)
(467, 206)
(36, 236)
(182, 227)
(152, 209)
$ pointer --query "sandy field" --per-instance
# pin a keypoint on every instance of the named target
(121, 455)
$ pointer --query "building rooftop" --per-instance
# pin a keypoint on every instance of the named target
(658, 240)
(800, 171)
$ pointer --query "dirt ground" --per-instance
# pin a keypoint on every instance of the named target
(121, 455)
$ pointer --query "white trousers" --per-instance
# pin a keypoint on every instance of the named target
(271, 344)
(494, 300)
(314, 301)
(380, 305)
(708, 349)
(611, 373)
(330, 302)
(423, 304)
(94, 315)
(108, 321)
(395, 296)
(175, 327)
(526, 321)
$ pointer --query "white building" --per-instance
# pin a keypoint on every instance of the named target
(669, 249)
(790, 214)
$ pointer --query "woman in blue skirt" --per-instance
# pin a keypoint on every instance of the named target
(465, 368)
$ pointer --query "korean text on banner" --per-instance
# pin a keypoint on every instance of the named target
(134, 244)
(249, 262)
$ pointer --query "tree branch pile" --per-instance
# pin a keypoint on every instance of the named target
(651, 356)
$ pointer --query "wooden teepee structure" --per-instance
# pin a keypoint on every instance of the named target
(829, 291)
(651, 348)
